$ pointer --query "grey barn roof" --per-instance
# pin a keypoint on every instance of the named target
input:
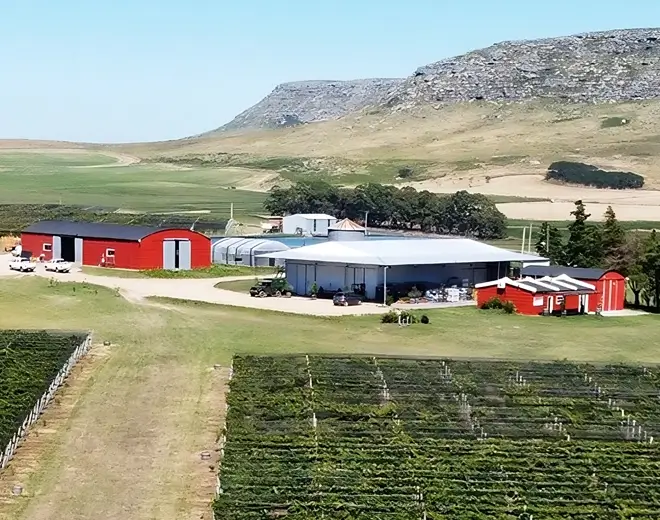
(579, 273)
(91, 230)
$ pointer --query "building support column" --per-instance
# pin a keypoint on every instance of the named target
(385, 285)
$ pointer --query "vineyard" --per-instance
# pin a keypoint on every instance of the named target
(30, 362)
(315, 437)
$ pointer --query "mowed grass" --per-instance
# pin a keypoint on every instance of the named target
(130, 447)
(43, 178)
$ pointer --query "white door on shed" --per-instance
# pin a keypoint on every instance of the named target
(57, 247)
(78, 255)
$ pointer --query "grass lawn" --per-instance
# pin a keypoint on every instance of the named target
(129, 448)
(215, 271)
(41, 178)
(241, 286)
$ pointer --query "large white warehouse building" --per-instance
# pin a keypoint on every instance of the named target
(338, 265)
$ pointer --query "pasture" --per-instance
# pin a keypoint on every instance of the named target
(123, 442)
(94, 179)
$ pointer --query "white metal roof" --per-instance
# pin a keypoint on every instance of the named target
(557, 284)
(403, 252)
(313, 216)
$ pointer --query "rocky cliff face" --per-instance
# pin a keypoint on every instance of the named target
(618, 65)
(594, 67)
(299, 102)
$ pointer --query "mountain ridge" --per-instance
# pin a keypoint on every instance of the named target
(590, 67)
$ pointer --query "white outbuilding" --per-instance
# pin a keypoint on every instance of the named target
(307, 224)
(373, 264)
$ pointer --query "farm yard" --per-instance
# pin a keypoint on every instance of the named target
(312, 437)
(122, 441)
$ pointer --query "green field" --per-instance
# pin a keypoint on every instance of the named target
(146, 410)
(74, 179)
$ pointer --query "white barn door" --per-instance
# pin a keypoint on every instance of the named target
(57, 247)
(169, 254)
(78, 257)
(185, 254)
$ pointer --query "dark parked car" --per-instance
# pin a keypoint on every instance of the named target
(346, 299)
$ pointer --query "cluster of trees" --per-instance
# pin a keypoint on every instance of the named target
(607, 245)
(462, 213)
(588, 175)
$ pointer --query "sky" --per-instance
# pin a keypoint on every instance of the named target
(147, 70)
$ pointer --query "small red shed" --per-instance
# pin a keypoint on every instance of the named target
(535, 297)
(610, 285)
(113, 245)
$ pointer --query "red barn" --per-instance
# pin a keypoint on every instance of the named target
(610, 285)
(534, 297)
(113, 245)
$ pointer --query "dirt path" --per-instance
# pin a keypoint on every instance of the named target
(201, 290)
(45, 435)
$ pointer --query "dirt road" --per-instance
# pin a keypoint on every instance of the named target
(201, 290)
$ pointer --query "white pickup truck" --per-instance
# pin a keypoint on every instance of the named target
(58, 265)
(25, 265)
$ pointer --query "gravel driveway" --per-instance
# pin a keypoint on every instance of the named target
(202, 289)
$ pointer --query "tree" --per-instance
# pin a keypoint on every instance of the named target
(549, 243)
(584, 246)
(614, 239)
(471, 214)
(637, 281)
(650, 264)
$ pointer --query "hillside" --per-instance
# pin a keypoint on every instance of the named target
(299, 102)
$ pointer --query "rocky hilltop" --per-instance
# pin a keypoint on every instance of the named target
(618, 65)
(299, 102)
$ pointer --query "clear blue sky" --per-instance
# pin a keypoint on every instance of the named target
(134, 70)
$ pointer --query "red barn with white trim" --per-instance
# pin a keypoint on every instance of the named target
(610, 285)
(113, 245)
(535, 297)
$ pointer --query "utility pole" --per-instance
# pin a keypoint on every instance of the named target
(529, 247)
(547, 240)
(522, 248)
(366, 216)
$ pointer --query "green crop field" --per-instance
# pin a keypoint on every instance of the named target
(90, 179)
(311, 437)
(29, 361)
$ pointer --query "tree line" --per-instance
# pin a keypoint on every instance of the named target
(462, 213)
(588, 175)
(608, 246)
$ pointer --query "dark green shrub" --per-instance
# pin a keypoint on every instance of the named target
(389, 300)
(390, 317)
(614, 122)
(508, 307)
(393, 317)
(425, 319)
(588, 175)
(492, 303)
(405, 173)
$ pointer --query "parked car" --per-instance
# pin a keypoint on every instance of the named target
(58, 265)
(25, 265)
(346, 299)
